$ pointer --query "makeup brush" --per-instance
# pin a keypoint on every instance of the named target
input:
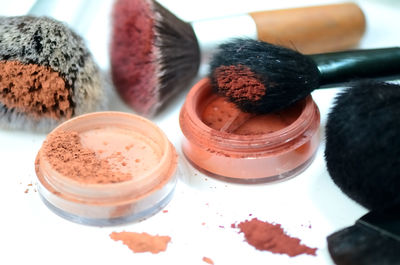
(260, 77)
(154, 54)
(47, 74)
(363, 145)
(373, 240)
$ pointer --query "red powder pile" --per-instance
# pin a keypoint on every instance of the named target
(66, 155)
(271, 237)
(142, 242)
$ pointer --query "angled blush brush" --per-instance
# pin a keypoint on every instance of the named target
(47, 75)
(373, 240)
(260, 77)
(154, 54)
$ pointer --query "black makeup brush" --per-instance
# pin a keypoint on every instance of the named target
(363, 159)
(260, 77)
(47, 75)
(363, 143)
(373, 240)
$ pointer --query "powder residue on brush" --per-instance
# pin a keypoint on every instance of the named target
(142, 242)
(34, 89)
(47, 74)
(239, 82)
(271, 237)
(67, 156)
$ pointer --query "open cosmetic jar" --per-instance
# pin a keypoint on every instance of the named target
(263, 148)
(106, 168)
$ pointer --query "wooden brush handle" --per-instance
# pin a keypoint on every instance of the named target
(312, 29)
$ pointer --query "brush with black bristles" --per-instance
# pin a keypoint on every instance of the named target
(260, 77)
(362, 154)
(154, 54)
(362, 149)
(47, 75)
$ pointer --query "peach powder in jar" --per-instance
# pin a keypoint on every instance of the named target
(106, 168)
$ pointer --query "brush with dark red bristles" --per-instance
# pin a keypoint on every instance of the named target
(154, 54)
(260, 77)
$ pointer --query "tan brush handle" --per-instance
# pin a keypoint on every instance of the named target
(314, 29)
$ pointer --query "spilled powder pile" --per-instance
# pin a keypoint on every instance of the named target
(142, 242)
(208, 260)
(67, 156)
(271, 237)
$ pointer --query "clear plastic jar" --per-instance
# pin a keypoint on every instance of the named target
(258, 157)
(149, 189)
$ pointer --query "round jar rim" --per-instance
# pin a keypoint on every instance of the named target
(227, 140)
(164, 170)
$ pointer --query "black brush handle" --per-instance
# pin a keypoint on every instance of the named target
(343, 66)
(384, 221)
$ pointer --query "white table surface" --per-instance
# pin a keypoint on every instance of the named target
(31, 234)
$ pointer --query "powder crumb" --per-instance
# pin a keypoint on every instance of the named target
(128, 147)
(208, 260)
(142, 242)
(30, 184)
(165, 211)
(271, 237)
(66, 155)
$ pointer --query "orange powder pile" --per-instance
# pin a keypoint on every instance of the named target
(271, 237)
(67, 156)
(208, 260)
(219, 111)
(142, 242)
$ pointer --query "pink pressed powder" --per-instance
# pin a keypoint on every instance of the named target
(252, 148)
(106, 168)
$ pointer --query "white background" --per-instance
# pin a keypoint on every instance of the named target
(309, 206)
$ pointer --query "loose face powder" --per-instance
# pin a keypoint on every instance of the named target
(222, 141)
(106, 168)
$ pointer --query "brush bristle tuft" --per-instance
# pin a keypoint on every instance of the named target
(154, 54)
(363, 144)
(286, 75)
(49, 73)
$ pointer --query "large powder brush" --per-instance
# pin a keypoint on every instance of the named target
(154, 54)
(261, 77)
(47, 75)
(362, 155)
(363, 144)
